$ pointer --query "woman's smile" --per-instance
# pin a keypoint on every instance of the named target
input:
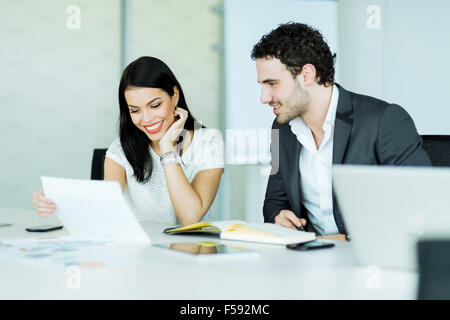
(154, 128)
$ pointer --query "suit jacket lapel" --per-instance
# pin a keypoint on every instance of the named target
(342, 129)
(294, 147)
(342, 126)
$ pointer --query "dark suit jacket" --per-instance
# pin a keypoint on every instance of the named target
(367, 131)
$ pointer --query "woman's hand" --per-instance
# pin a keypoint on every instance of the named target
(168, 141)
(43, 206)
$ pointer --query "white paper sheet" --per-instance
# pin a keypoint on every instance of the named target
(94, 208)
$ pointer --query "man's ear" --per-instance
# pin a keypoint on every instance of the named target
(307, 76)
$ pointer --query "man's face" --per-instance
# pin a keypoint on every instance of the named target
(280, 90)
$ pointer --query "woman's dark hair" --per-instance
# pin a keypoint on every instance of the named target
(152, 73)
(297, 44)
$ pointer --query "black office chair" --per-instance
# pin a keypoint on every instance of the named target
(434, 269)
(434, 255)
(98, 160)
(438, 149)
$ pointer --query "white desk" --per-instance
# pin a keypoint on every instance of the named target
(149, 273)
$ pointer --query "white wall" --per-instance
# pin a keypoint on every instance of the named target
(183, 33)
(58, 91)
(404, 61)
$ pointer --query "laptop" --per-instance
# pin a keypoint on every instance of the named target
(388, 209)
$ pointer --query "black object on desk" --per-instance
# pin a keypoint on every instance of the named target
(43, 228)
(434, 269)
(310, 245)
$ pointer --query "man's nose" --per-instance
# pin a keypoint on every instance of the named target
(266, 97)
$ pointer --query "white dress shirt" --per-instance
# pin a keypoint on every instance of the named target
(315, 169)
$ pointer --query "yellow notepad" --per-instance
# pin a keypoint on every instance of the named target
(244, 231)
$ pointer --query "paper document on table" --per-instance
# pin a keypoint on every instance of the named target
(69, 251)
(94, 208)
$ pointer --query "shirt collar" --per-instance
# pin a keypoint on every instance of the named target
(331, 114)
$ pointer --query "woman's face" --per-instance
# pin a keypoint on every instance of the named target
(151, 110)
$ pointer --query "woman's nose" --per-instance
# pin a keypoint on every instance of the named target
(147, 115)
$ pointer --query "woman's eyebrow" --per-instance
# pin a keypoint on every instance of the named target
(150, 102)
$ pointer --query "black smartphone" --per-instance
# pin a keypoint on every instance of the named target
(43, 228)
(310, 245)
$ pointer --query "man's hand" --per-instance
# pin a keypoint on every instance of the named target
(288, 219)
(337, 237)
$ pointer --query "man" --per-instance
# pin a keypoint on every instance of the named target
(320, 124)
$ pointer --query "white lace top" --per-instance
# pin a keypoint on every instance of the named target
(150, 201)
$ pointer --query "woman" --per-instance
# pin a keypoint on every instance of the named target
(168, 167)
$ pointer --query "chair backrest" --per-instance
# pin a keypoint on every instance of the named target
(98, 160)
(438, 149)
(434, 269)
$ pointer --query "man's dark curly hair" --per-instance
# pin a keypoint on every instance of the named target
(297, 44)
